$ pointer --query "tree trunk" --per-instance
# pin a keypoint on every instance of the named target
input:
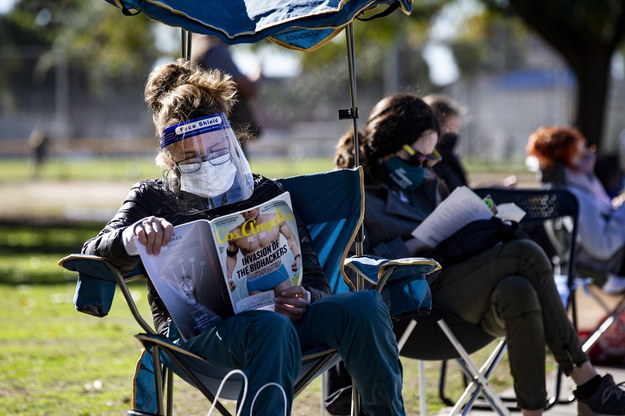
(593, 78)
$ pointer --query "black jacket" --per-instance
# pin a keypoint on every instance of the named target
(152, 197)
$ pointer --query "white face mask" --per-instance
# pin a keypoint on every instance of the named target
(211, 180)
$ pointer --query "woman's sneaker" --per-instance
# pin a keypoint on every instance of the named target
(609, 399)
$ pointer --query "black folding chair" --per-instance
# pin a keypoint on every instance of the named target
(558, 210)
(551, 219)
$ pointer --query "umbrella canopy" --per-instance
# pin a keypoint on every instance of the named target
(295, 24)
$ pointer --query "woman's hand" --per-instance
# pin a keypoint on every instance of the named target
(293, 302)
(153, 233)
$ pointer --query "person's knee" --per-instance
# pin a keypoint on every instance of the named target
(528, 249)
(361, 308)
(515, 296)
(275, 323)
(365, 304)
(266, 327)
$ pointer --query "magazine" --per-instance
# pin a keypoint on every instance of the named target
(460, 208)
(213, 269)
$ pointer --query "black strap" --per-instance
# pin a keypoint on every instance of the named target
(126, 11)
(390, 9)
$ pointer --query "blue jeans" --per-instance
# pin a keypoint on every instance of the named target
(268, 347)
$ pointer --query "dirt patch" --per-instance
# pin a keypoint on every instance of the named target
(58, 201)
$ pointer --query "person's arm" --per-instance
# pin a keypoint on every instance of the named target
(285, 230)
(231, 262)
(108, 243)
(601, 234)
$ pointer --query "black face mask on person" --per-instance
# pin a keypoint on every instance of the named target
(409, 174)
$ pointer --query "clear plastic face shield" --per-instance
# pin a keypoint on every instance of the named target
(209, 160)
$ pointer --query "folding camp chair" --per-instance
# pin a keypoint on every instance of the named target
(329, 203)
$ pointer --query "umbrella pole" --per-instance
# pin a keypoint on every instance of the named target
(351, 64)
(353, 114)
(185, 46)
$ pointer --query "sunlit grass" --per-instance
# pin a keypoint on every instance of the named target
(143, 167)
(136, 168)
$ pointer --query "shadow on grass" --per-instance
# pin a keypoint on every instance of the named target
(29, 251)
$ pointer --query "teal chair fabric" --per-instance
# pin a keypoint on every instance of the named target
(404, 279)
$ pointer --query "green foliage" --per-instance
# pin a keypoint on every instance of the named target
(586, 34)
(91, 37)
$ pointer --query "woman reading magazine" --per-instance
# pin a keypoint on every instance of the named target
(206, 177)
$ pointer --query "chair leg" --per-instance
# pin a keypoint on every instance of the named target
(158, 379)
(355, 401)
(613, 316)
(475, 374)
(170, 392)
(441, 385)
(197, 384)
(422, 400)
(487, 369)
(407, 332)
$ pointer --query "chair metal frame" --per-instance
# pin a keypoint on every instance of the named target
(421, 316)
(476, 376)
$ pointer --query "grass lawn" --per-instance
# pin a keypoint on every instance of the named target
(136, 168)
(56, 361)
(99, 169)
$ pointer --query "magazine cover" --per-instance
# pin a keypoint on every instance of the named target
(259, 252)
(213, 269)
(187, 275)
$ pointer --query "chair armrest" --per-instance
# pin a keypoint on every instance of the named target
(96, 283)
(379, 271)
(95, 287)
(404, 280)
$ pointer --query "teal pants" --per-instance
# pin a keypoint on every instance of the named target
(268, 348)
